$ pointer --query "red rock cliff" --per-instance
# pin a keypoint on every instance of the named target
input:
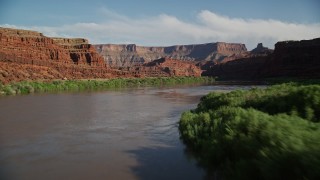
(289, 59)
(29, 55)
(31, 45)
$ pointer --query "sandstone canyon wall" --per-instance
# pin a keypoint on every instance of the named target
(131, 54)
(299, 59)
(29, 55)
(294, 59)
(31, 45)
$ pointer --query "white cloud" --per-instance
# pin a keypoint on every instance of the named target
(165, 30)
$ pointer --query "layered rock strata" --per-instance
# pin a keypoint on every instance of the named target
(131, 54)
(300, 59)
(163, 67)
(15, 72)
(29, 55)
(31, 45)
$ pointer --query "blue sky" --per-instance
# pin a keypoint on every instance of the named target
(167, 22)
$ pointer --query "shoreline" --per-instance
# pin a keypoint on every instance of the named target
(239, 82)
(259, 129)
(30, 87)
(60, 85)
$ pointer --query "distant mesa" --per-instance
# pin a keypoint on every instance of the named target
(260, 49)
(130, 54)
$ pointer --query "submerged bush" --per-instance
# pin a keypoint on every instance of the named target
(268, 133)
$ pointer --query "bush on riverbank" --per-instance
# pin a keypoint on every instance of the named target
(75, 85)
(270, 133)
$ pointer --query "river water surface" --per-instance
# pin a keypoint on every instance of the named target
(123, 134)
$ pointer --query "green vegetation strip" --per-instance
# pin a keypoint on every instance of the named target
(271, 133)
(76, 85)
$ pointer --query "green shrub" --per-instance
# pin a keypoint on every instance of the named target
(270, 133)
(303, 101)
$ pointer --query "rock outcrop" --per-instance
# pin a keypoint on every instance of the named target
(294, 59)
(131, 54)
(81, 52)
(261, 50)
(15, 72)
(31, 45)
(29, 55)
(176, 67)
(239, 69)
(163, 67)
(299, 59)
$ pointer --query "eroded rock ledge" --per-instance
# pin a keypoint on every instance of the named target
(31, 45)
(290, 59)
(29, 55)
(129, 55)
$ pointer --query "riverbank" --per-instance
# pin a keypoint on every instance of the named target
(301, 81)
(267, 133)
(28, 87)
(268, 81)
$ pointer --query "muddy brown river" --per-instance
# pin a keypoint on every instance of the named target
(118, 134)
